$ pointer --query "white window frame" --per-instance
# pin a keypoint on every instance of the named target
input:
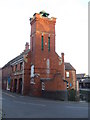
(67, 74)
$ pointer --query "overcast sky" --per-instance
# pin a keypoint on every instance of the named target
(71, 28)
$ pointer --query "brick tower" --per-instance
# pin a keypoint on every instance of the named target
(47, 68)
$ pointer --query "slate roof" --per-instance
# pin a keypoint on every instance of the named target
(16, 58)
(68, 66)
(19, 56)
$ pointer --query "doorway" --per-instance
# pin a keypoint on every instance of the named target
(20, 85)
(15, 85)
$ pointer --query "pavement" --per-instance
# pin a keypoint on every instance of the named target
(18, 106)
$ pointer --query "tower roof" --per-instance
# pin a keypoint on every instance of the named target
(43, 13)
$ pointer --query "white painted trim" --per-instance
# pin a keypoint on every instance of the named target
(7, 86)
(16, 62)
(18, 73)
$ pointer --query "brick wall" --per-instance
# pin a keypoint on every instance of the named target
(27, 74)
(42, 26)
(71, 79)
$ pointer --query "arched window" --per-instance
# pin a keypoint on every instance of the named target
(48, 43)
(32, 71)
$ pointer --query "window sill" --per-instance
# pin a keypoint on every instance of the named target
(32, 83)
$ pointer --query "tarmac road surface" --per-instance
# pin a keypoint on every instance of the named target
(18, 106)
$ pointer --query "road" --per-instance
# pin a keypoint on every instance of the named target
(0, 103)
(18, 106)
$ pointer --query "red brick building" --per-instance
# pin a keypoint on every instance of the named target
(70, 76)
(20, 76)
(47, 68)
(14, 71)
(39, 71)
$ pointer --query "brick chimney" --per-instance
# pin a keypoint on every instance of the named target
(62, 54)
(26, 46)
